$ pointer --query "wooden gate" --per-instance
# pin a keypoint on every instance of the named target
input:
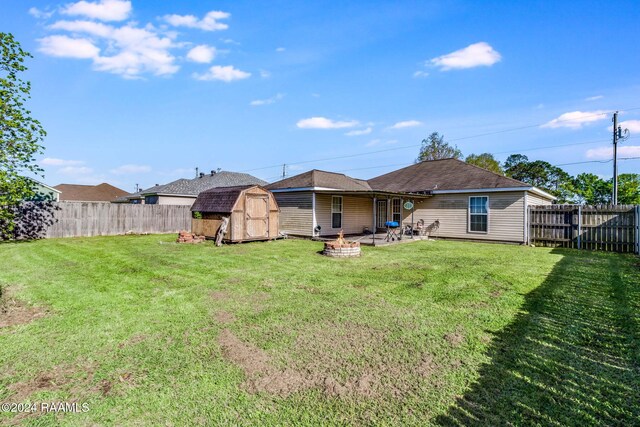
(256, 216)
(605, 228)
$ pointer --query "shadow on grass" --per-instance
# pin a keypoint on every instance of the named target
(572, 357)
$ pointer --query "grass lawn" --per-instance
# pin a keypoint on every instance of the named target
(149, 332)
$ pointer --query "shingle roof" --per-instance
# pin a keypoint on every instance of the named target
(218, 200)
(193, 187)
(89, 193)
(323, 179)
(446, 174)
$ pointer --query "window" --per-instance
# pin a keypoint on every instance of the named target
(151, 200)
(396, 211)
(479, 214)
(336, 212)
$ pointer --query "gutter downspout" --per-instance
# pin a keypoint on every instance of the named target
(314, 222)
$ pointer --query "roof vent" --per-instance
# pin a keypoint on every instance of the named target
(213, 173)
(201, 174)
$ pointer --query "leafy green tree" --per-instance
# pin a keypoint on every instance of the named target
(541, 174)
(590, 189)
(628, 189)
(435, 148)
(20, 134)
(485, 161)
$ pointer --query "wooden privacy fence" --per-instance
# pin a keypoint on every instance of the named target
(605, 228)
(82, 219)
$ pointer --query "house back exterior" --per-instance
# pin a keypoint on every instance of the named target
(466, 201)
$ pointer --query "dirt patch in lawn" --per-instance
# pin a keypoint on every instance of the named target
(455, 338)
(261, 375)
(57, 379)
(224, 317)
(345, 360)
(15, 312)
(220, 295)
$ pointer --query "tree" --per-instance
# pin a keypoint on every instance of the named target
(20, 135)
(485, 161)
(628, 188)
(435, 148)
(541, 174)
(590, 189)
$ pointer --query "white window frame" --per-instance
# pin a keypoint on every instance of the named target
(394, 213)
(337, 212)
(469, 215)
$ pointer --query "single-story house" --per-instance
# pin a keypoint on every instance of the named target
(43, 191)
(185, 191)
(468, 202)
(89, 193)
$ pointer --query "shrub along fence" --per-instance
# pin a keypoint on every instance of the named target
(605, 228)
(82, 219)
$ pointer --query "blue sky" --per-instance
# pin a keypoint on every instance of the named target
(142, 92)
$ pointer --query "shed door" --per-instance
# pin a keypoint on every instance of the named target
(256, 216)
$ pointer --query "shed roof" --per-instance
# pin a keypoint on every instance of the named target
(321, 179)
(89, 193)
(445, 174)
(195, 186)
(219, 200)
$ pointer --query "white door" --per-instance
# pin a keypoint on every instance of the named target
(381, 213)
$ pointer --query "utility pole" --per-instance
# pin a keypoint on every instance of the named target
(284, 171)
(614, 199)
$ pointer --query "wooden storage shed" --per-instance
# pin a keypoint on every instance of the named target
(252, 210)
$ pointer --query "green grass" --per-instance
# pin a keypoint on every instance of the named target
(148, 332)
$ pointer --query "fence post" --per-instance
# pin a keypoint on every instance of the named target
(579, 226)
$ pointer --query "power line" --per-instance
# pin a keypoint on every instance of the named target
(452, 140)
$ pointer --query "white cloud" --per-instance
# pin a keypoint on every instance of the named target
(359, 132)
(50, 161)
(88, 27)
(632, 125)
(594, 98)
(75, 170)
(605, 153)
(324, 123)
(104, 10)
(576, 119)
(475, 55)
(267, 101)
(202, 53)
(280, 49)
(225, 73)
(208, 23)
(39, 14)
(129, 169)
(67, 47)
(420, 74)
(406, 124)
(134, 50)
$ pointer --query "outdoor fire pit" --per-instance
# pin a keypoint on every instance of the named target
(341, 248)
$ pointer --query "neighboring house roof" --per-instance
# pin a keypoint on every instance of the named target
(89, 193)
(317, 179)
(193, 187)
(218, 200)
(445, 174)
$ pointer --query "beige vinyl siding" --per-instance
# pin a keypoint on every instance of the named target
(534, 199)
(506, 215)
(173, 200)
(357, 213)
(295, 213)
